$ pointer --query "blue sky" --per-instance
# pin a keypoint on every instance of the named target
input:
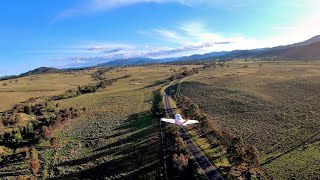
(62, 33)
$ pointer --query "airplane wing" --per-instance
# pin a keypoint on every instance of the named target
(168, 120)
(191, 122)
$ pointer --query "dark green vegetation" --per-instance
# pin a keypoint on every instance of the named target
(27, 124)
(273, 106)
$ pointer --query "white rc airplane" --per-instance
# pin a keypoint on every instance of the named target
(179, 121)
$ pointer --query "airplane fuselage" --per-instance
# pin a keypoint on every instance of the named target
(178, 120)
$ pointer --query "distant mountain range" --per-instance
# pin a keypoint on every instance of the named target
(136, 61)
(306, 50)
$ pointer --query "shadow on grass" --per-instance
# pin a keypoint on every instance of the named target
(6, 174)
(134, 155)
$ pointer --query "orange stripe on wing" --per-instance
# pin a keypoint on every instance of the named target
(186, 121)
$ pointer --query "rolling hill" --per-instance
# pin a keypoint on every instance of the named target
(308, 52)
(42, 70)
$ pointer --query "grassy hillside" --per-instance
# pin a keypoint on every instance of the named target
(20, 89)
(117, 137)
(272, 106)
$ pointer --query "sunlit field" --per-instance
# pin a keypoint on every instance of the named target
(17, 90)
(273, 106)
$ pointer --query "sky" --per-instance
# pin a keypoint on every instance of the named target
(77, 33)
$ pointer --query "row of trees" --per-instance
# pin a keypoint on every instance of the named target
(87, 89)
(185, 73)
(99, 74)
(175, 159)
(237, 151)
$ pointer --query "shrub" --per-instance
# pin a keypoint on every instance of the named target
(31, 100)
(35, 166)
(179, 161)
(12, 138)
(34, 154)
(27, 110)
(54, 142)
(46, 133)
(22, 177)
(58, 119)
(44, 174)
(252, 157)
(28, 129)
(18, 118)
(18, 108)
(1, 121)
(5, 118)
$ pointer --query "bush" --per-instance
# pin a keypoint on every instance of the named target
(251, 156)
(22, 177)
(44, 174)
(46, 133)
(12, 138)
(54, 142)
(35, 166)
(27, 110)
(34, 154)
(58, 119)
(31, 100)
(28, 129)
(18, 118)
(179, 161)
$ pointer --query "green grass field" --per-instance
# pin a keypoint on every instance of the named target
(273, 107)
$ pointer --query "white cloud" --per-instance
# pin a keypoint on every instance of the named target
(194, 37)
(190, 38)
(57, 51)
(88, 48)
(196, 33)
